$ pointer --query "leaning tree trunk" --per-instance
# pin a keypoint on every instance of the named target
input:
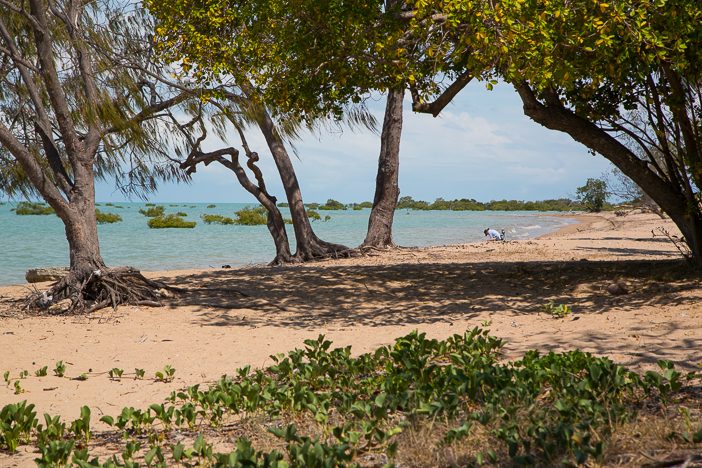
(309, 246)
(681, 205)
(387, 191)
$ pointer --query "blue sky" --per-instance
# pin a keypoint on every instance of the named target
(480, 147)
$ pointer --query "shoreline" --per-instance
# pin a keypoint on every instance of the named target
(230, 318)
(577, 217)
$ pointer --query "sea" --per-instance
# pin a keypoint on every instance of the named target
(39, 241)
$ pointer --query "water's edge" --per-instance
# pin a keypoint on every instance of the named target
(39, 241)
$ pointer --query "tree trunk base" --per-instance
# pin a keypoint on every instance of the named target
(321, 250)
(283, 259)
(84, 291)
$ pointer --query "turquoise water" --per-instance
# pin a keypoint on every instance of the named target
(39, 241)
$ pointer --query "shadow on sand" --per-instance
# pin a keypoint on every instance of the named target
(309, 296)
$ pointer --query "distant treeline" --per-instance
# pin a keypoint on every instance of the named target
(463, 204)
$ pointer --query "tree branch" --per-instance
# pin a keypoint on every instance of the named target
(434, 108)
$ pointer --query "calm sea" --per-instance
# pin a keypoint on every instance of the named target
(39, 241)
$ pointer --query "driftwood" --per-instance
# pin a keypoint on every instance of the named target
(38, 275)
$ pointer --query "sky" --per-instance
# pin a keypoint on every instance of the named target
(481, 147)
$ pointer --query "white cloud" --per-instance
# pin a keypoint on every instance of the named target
(480, 147)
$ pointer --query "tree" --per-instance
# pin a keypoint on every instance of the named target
(622, 78)
(79, 102)
(593, 195)
(270, 44)
(275, 221)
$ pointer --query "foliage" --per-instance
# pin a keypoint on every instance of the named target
(362, 205)
(558, 311)
(552, 409)
(332, 205)
(166, 375)
(216, 219)
(29, 208)
(593, 194)
(17, 421)
(251, 216)
(463, 204)
(211, 206)
(153, 211)
(60, 369)
(170, 221)
(266, 45)
(107, 218)
(313, 215)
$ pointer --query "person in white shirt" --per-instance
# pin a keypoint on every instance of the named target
(493, 234)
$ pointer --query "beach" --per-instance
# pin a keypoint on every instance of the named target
(632, 298)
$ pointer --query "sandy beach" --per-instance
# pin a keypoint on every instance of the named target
(234, 317)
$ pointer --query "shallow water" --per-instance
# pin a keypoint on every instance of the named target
(39, 241)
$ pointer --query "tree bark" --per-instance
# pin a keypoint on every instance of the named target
(308, 245)
(387, 190)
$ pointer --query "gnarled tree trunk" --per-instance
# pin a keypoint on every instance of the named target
(387, 190)
(275, 221)
(309, 246)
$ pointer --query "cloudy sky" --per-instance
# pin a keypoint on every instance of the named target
(480, 147)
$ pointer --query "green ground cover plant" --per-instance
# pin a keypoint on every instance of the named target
(325, 407)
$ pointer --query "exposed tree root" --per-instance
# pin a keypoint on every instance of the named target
(89, 291)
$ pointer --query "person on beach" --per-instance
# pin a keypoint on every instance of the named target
(493, 234)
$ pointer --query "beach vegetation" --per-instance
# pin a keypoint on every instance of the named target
(115, 373)
(216, 219)
(314, 215)
(165, 375)
(212, 206)
(311, 206)
(593, 195)
(332, 204)
(60, 369)
(107, 218)
(558, 310)
(42, 371)
(182, 214)
(139, 374)
(325, 406)
(465, 204)
(31, 208)
(284, 205)
(153, 211)
(170, 221)
(251, 216)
